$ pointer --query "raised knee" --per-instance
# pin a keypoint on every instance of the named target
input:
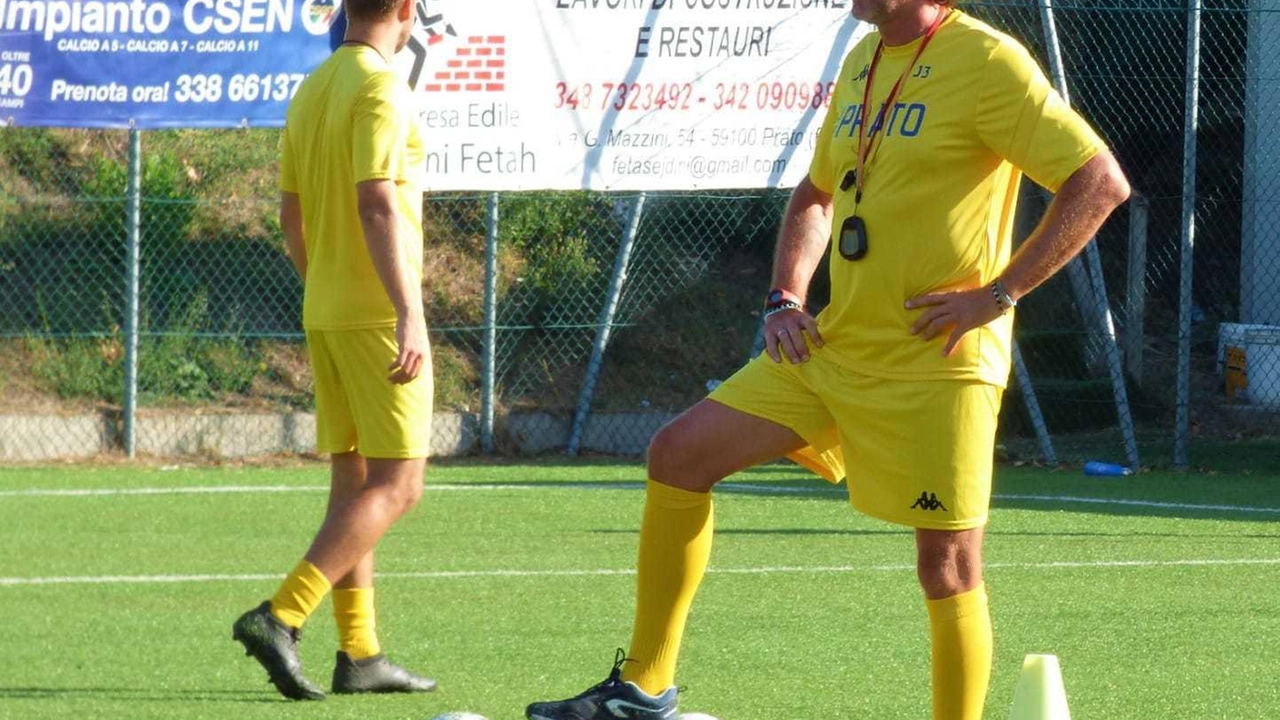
(669, 456)
(663, 447)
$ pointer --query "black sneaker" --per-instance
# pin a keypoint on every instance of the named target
(612, 699)
(275, 646)
(375, 675)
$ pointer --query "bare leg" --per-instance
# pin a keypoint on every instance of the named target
(949, 562)
(348, 478)
(949, 565)
(710, 442)
(366, 497)
(352, 529)
(687, 457)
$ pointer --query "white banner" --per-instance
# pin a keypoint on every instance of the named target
(625, 94)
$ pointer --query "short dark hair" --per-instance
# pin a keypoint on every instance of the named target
(369, 9)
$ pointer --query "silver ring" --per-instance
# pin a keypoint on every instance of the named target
(782, 333)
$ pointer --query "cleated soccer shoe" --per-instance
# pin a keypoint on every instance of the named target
(275, 646)
(612, 699)
(375, 675)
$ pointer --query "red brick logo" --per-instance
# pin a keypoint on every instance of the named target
(478, 65)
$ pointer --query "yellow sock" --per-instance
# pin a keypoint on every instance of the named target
(675, 544)
(299, 595)
(353, 610)
(960, 627)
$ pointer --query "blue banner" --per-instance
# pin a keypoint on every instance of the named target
(157, 63)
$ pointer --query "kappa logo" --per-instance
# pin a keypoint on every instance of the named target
(928, 501)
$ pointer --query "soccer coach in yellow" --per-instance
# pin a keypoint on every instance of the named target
(897, 384)
(351, 212)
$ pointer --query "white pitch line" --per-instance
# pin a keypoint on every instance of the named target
(105, 492)
(1138, 503)
(248, 489)
(730, 487)
(241, 489)
(784, 490)
(767, 570)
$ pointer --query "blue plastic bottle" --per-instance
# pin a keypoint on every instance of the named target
(1105, 469)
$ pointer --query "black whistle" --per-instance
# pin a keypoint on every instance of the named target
(850, 178)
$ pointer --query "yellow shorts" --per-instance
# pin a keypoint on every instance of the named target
(915, 453)
(357, 407)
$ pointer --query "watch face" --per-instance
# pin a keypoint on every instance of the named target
(775, 296)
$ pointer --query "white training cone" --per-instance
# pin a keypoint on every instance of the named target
(1040, 694)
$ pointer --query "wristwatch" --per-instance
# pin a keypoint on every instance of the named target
(778, 297)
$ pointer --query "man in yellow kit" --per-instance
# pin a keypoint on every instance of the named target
(351, 212)
(914, 181)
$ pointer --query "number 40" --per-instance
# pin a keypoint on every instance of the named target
(15, 80)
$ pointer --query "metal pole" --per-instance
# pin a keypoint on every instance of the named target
(1054, 49)
(1033, 407)
(1135, 309)
(604, 326)
(757, 345)
(1094, 262)
(133, 214)
(1114, 364)
(1191, 114)
(1090, 313)
(1076, 272)
(1081, 283)
(489, 343)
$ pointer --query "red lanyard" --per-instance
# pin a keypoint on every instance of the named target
(867, 138)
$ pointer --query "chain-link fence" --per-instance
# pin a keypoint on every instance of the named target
(583, 321)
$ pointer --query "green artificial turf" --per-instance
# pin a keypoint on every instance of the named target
(511, 583)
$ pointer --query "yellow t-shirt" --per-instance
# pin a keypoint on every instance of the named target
(351, 121)
(938, 203)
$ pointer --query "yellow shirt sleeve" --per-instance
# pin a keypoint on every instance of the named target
(288, 170)
(822, 168)
(1024, 120)
(380, 128)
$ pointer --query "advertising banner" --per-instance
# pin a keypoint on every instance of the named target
(627, 94)
(511, 94)
(157, 63)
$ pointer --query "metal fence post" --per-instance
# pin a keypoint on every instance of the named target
(489, 342)
(1191, 114)
(1114, 363)
(1135, 308)
(605, 326)
(1033, 407)
(1082, 291)
(1093, 262)
(757, 345)
(133, 213)
(1081, 287)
